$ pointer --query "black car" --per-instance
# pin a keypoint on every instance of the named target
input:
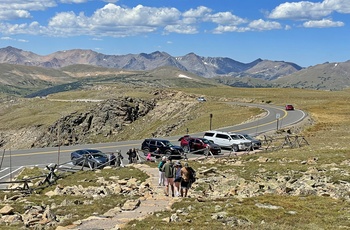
(90, 158)
(165, 148)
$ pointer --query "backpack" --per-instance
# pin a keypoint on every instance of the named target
(160, 166)
(192, 175)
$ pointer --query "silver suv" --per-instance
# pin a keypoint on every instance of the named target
(256, 143)
(228, 140)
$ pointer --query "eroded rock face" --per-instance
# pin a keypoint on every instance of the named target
(106, 119)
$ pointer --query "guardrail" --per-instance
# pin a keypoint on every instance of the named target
(291, 141)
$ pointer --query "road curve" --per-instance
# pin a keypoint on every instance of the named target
(13, 161)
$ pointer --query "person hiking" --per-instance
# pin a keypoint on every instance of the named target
(119, 159)
(187, 175)
(177, 176)
(150, 158)
(168, 169)
(112, 159)
(161, 181)
(134, 155)
(129, 153)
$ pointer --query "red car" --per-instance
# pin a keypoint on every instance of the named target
(289, 107)
(195, 144)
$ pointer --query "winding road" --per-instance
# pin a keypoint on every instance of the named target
(13, 161)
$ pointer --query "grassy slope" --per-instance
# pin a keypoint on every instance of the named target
(329, 142)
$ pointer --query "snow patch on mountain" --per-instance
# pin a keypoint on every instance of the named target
(184, 76)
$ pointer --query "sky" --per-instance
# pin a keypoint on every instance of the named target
(306, 33)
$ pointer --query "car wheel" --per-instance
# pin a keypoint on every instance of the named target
(186, 149)
(74, 161)
(93, 165)
(146, 151)
(167, 153)
(235, 148)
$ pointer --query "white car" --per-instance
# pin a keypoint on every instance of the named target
(202, 99)
(228, 140)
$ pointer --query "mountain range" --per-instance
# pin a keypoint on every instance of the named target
(258, 73)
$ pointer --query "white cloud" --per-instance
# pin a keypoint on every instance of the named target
(299, 10)
(199, 12)
(113, 20)
(340, 6)
(15, 9)
(74, 1)
(14, 14)
(231, 28)
(12, 39)
(264, 25)
(120, 21)
(309, 10)
(226, 18)
(324, 23)
(6, 38)
(181, 29)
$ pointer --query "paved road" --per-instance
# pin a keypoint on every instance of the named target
(13, 161)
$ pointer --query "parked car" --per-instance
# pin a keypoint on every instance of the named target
(89, 157)
(256, 144)
(201, 99)
(165, 148)
(227, 140)
(289, 107)
(192, 144)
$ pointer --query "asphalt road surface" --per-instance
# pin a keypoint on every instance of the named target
(12, 161)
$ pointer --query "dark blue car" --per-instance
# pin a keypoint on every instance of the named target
(92, 158)
(166, 148)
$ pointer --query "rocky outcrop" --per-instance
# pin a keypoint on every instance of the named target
(106, 119)
(314, 181)
(43, 216)
(212, 184)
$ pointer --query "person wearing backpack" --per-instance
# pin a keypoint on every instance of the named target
(161, 181)
(168, 169)
(187, 175)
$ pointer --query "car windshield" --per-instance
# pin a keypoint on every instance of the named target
(235, 137)
(205, 141)
(246, 136)
(168, 143)
(98, 155)
(93, 151)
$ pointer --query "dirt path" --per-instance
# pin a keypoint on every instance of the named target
(156, 202)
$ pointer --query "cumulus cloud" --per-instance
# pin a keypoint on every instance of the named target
(264, 25)
(16, 9)
(199, 12)
(181, 29)
(121, 21)
(309, 10)
(231, 28)
(14, 14)
(322, 24)
(73, 1)
(6, 38)
(226, 18)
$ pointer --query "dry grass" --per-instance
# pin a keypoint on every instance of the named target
(329, 140)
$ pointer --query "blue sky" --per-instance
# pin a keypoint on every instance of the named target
(304, 32)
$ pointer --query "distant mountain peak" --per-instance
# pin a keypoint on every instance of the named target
(203, 66)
